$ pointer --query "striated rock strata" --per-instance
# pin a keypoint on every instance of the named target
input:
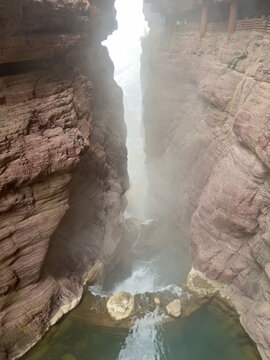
(62, 161)
(206, 118)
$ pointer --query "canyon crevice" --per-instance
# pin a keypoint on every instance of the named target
(206, 117)
(63, 165)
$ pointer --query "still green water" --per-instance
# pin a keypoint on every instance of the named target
(205, 335)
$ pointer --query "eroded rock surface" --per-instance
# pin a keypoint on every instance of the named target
(174, 308)
(62, 161)
(207, 146)
(121, 306)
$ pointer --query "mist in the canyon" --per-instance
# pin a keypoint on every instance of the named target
(155, 262)
(124, 46)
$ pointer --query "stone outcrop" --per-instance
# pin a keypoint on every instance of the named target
(174, 308)
(62, 161)
(121, 306)
(207, 146)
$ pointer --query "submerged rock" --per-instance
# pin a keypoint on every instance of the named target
(121, 305)
(174, 308)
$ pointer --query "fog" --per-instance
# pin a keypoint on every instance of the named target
(124, 46)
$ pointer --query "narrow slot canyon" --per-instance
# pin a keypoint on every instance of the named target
(134, 179)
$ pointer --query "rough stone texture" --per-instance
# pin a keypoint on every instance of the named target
(207, 145)
(121, 306)
(62, 161)
(174, 308)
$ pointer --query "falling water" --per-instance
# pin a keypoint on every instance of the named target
(145, 340)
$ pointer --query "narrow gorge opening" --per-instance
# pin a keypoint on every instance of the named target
(124, 47)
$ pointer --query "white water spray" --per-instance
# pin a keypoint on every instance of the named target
(145, 339)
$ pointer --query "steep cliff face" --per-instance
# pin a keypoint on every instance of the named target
(62, 161)
(206, 117)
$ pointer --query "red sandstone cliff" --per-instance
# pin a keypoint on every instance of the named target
(62, 160)
(206, 121)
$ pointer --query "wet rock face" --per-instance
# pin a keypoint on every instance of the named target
(62, 161)
(207, 135)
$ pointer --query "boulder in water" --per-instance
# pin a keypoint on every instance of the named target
(174, 308)
(157, 301)
(121, 305)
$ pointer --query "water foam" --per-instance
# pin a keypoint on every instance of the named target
(143, 280)
(145, 339)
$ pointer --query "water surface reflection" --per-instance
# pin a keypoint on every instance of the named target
(205, 335)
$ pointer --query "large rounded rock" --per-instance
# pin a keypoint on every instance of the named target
(120, 306)
(174, 308)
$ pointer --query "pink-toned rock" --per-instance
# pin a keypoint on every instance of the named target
(207, 146)
(63, 171)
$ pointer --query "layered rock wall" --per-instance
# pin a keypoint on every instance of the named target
(206, 118)
(62, 161)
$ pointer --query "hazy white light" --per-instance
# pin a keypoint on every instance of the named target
(124, 44)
